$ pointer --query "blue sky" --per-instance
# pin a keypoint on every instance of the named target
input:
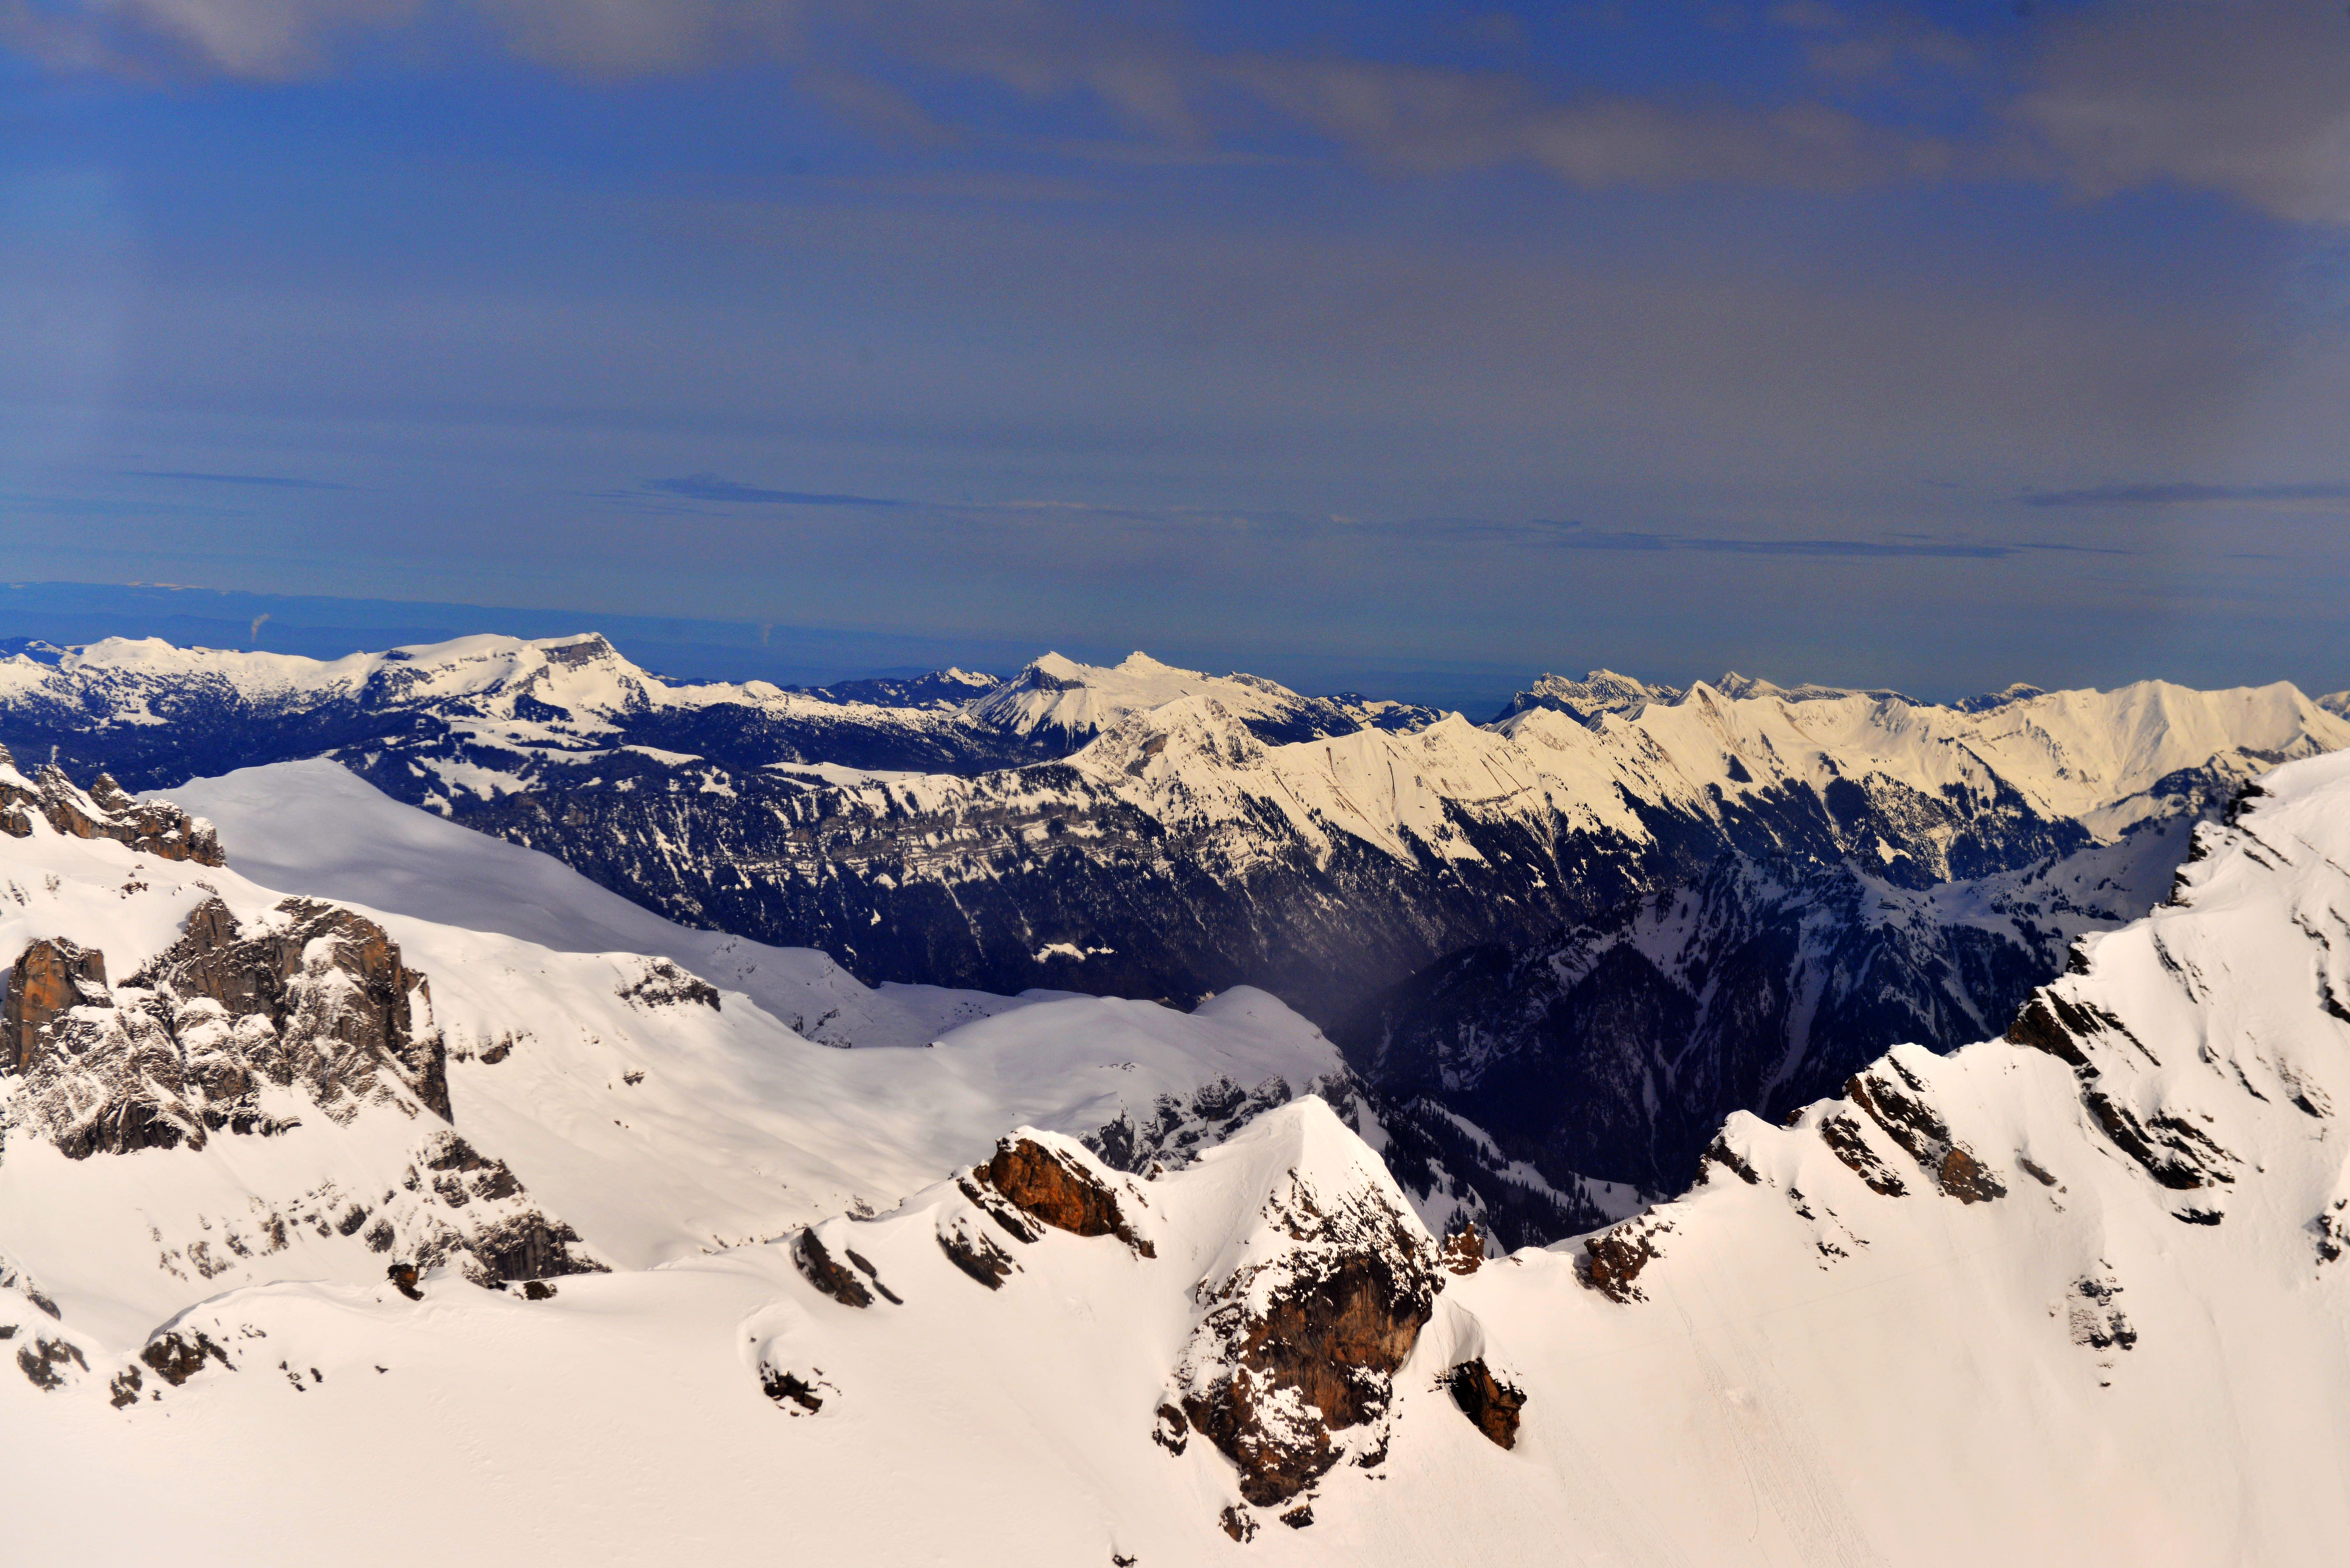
(1410, 345)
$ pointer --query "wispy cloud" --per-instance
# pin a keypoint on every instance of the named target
(711, 487)
(1579, 536)
(271, 481)
(2187, 494)
(2099, 97)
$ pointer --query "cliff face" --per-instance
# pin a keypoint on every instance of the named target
(1310, 1305)
(102, 811)
(1616, 1047)
(238, 1030)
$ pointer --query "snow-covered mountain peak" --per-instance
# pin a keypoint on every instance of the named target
(1745, 687)
(1165, 743)
(2014, 692)
(1600, 692)
(1055, 696)
(1288, 1172)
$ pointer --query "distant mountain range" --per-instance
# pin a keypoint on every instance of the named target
(1590, 927)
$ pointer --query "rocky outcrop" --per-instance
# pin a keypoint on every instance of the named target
(1612, 1261)
(1491, 1404)
(471, 1210)
(820, 1269)
(103, 811)
(975, 1252)
(1291, 1369)
(1463, 1252)
(1178, 1127)
(243, 1029)
(1896, 1099)
(1057, 1190)
(175, 1356)
(50, 977)
(322, 975)
(664, 984)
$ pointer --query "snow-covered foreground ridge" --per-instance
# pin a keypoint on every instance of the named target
(2076, 1295)
(207, 1081)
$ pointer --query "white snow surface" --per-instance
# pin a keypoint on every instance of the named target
(1813, 1372)
(659, 1131)
(1057, 693)
(2108, 760)
(313, 827)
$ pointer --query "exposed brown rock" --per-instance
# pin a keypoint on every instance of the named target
(125, 1388)
(1336, 1342)
(1237, 1523)
(1299, 1349)
(2049, 1023)
(104, 811)
(1613, 1260)
(780, 1385)
(1491, 1405)
(1720, 1153)
(818, 1266)
(991, 1203)
(1057, 1190)
(1966, 1178)
(311, 997)
(664, 984)
(529, 1246)
(281, 971)
(1842, 1137)
(51, 976)
(175, 1357)
(1463, 1252)
(976, 1255)
(1895, 1100)
(1170, 1429)
(41, 1360)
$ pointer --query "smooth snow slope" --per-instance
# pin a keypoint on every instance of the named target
(2117, 1331)
(314, 827)
(658, 1129)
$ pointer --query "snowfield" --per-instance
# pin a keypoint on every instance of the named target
(2076, 1295)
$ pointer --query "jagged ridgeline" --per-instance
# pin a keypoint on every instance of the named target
(246, 1028)
(1564, 944)
(2074, 1294)
(1145, 831)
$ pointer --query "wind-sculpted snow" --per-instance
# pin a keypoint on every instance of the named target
(2075, 1295)
(242, 1084)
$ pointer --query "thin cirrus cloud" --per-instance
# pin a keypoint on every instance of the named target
(2187, 495)
(268, 481)
(1578, 537)
(2101, 97)
(711, 487)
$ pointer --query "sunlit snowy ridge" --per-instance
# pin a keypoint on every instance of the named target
(1148, 831)
(2075, 1293)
